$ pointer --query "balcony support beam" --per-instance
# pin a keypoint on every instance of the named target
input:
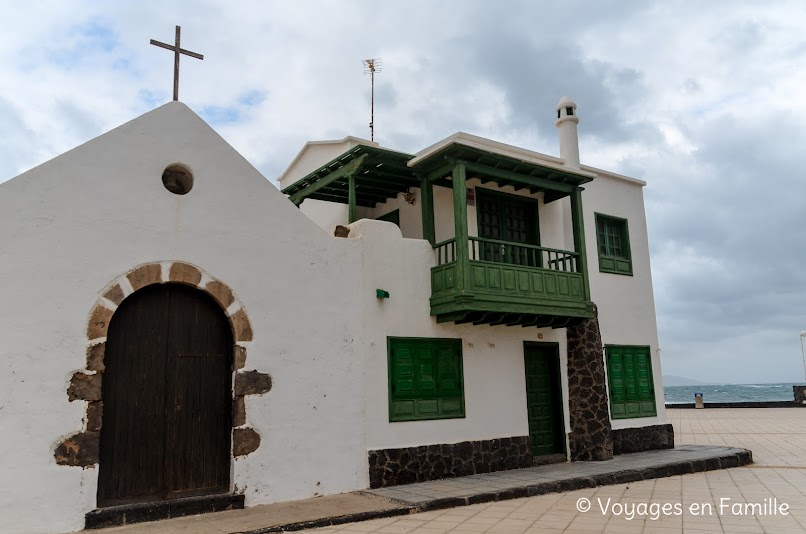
(352, 212)
(349, 169)
(460, 220)
(427, 205)
(525, 180)
(578, 224)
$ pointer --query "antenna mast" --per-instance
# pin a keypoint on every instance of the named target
(371, 66)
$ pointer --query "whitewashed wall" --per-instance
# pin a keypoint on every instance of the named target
(494, 376)
(73, 224)
(626, 303)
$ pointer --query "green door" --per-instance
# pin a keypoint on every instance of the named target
(543, 399)
(507, 218)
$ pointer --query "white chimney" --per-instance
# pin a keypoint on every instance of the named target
(567, 121)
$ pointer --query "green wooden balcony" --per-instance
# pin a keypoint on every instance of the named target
(508, 283)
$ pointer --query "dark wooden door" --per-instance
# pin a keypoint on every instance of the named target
(507, 218)
(167, 398)
(543, 398)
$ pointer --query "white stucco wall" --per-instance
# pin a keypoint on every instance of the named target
(315, 154)
(75, 223)
(492, 356)
(626, 303)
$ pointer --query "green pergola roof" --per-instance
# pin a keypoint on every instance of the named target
(379, 174)
(489, 166)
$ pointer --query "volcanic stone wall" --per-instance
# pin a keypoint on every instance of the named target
(591, 437)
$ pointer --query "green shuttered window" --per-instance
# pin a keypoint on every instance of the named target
(425, 379)
(632, 391)
(613, 241)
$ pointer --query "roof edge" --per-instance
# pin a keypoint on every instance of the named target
(617, 176)
(308, 144)
(502, 149)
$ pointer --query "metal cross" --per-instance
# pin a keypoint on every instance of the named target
(176, 50)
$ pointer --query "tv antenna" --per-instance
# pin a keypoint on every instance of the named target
(371, 66)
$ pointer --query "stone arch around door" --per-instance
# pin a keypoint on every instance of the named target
(82, 448)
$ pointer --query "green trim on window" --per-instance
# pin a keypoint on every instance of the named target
(629, 375)
(613, 245)
(425, 379)
(392, 217)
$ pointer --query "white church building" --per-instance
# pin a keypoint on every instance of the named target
(179, 336)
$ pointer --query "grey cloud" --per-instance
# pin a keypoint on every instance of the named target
(745, 212)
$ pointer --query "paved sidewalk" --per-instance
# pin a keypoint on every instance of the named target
(566, 476)
(442, 494)
(357, 506)
(777, 437)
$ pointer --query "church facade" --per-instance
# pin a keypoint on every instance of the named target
(180, 336)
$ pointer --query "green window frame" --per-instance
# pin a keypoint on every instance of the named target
(632, 388)
(613, 245)
(425, 379)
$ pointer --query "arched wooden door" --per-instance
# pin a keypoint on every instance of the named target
(167, 398)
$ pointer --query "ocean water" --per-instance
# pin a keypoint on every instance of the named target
(730, 393)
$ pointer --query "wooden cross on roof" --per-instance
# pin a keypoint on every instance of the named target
(177, 51)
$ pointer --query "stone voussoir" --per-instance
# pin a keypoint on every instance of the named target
(241, 326)
(98, 324)
(114, 294)
(184, 273)
(95, 357)
(239, 357)
(221, 293)
(150, 273)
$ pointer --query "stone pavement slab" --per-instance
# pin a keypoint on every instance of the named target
(565, 477)
(355, 506)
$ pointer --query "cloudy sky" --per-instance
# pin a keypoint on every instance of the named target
(703, 100)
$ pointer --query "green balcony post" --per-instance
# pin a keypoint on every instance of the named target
(352, 212)
(578, 224)
(460, 222)
(427, 205)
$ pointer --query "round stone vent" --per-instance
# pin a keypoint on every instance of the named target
(177, 179)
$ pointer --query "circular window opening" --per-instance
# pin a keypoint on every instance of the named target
(177, 179)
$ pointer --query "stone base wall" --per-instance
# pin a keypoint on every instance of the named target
(590, 436)
(800, 393)
(392, 467)
(647, 438)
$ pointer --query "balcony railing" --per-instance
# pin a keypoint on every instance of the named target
(517, 280)
(483, 249)
(446, 251)
(493, 250)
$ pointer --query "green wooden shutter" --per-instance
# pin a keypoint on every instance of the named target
(403, 384)
(613, 240)
(425, 379)
(632, 392)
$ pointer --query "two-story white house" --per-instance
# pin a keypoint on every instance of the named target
(484, 326)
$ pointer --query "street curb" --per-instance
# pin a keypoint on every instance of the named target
(745, 457)
(759, 404)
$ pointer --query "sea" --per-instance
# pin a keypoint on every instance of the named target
(730, 393)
